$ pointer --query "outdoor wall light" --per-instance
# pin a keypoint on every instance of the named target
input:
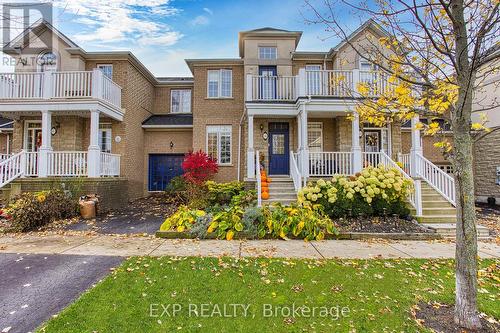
(261, 127)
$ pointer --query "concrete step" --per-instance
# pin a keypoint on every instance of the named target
(448, 230)
(436, 204)
(282, 201)
(282, 195)
(281, 179)
(437, 219)
(432, 197)
(285, 186)
(438, 211)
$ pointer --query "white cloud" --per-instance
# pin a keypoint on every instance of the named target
(122, 20)
(200, 20)
(208, 10)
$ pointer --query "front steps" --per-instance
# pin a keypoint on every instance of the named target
(448, 230)
(282, 190)
(435, 208)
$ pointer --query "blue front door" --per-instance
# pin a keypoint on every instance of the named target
(279, 153)
(162, 168)
(267, 84)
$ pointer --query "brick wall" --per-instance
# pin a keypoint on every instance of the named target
(432, 153)
(218, 112)
(486, 161)
(112, 191)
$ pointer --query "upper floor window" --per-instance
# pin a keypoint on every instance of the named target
(180, 101)
(366, 65)
(268, 52)
(220, 83)
(48, 62)
(105, 137)
(106, 70)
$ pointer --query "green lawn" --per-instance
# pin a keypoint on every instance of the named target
(377, 293)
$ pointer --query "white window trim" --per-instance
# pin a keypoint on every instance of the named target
(110, 129)
(218, 129)
(99, 66)
(313, 65)
(268, 47)
(316, 129)
(219, 84)
(171, 102)
(25, 136)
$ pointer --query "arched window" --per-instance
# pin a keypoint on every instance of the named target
(48, 62)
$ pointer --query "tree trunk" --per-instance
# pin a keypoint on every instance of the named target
(466, 314)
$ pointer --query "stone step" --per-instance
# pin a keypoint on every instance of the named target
(437, 211)
(281, 179)
(436, 204)
(437, 219)
(432, 196)
(282, 186)
(448, 230)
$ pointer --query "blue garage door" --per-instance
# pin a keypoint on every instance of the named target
(162, 168)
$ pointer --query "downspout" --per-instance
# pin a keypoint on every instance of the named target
(239, 142)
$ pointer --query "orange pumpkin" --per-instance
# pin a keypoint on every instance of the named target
(265, 184)
(265, 195)
(268, 180)
(263, 179)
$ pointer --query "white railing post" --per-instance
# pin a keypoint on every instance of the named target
(97, 83)
(304, 161)
(418, 197)
(23, 163)
(46, 147)
(416, 146)
(302, 83)
(249, 88)
(357, 164)
(47, 85)
(94, 151)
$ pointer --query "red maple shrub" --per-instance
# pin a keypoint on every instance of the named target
(198, 167)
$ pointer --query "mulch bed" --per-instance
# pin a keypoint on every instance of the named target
(440, 318)
(389, 224)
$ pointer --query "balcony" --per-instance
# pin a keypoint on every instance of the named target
(323, 83)
(72, 90)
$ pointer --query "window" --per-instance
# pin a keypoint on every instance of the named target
(366, 65)
(219, 143)
(220, 83)
(105, 137)
(180, 101)
(267, 52)
(107, 70)
(48, 62)
(315, 136)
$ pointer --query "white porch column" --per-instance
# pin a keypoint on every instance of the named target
(302, 83)
(94, 151)
(357, 164)
(304, 153)
(46, 147)
(416, 146)
(250, 150)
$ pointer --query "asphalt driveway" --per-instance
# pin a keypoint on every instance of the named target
(36, 286)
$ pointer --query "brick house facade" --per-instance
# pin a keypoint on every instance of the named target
(229, 107)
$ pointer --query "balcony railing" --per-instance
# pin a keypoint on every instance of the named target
(327, 83)
(60, 85)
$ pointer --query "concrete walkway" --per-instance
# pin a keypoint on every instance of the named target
(141, 246)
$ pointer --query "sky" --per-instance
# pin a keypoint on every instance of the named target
(162, 33)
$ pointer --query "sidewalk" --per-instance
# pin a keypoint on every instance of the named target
(141, 246)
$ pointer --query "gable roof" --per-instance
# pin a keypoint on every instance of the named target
(36, 28)
(369, 24)
(267, 32)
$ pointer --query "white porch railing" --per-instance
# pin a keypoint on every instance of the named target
(57, 85)
(323, 164)
(31, 169)
(67, 163)
(110, 164)
(294, 171)
(437, 178)
(273, 88)
(11, 168)
(329, 83)
(405, 160)
(3, 157)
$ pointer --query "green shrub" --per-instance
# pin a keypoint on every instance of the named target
(222, 193)
(176, 185)
(31, 211)
(252, 219)
(200, 226)
(182, 220)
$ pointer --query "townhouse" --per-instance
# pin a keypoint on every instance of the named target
(102, 121)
